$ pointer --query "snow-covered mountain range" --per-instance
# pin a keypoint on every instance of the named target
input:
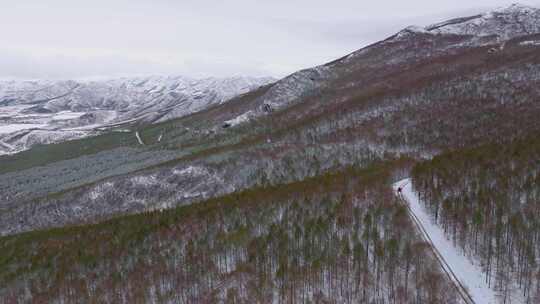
(419, 92)
(44, 111)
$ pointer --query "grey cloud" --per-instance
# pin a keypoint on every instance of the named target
(65, 39)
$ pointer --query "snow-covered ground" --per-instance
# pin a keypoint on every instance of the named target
(531, 42)
(66, 115)
(240, 119)
(467, 272)
(506, 22)
(10, 128)
(139, 138)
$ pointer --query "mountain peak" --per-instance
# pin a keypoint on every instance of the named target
(507, 22)
(516, 8)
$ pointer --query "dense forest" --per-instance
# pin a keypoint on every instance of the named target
(336, 238)
(488, 201)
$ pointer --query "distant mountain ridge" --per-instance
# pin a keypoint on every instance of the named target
(46, 111)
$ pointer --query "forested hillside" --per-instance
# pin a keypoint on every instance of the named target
(488, 201)
(337, 238)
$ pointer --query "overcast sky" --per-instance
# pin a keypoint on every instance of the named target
(79, 39)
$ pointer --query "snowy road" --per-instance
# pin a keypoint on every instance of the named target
(462, 270)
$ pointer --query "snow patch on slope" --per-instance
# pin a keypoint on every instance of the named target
(295, 86)
(66, 115)
(530, 43)
(411, 30)
(139, 138)
(240, 119)
(11, 128)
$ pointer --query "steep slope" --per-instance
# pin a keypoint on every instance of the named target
(42, 112)
(415, 93)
